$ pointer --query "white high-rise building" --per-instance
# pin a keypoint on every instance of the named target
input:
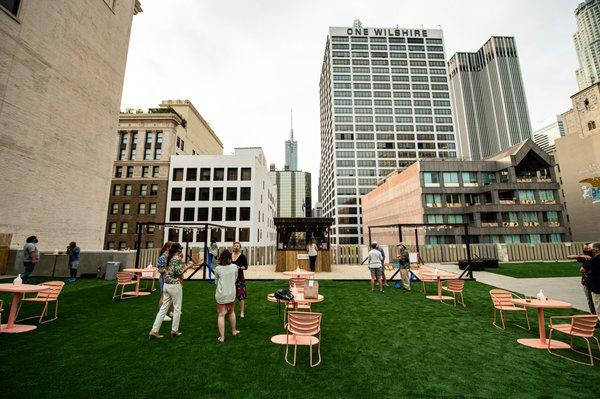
(234, 191)
(547, 131)
(291, 150)
(587, 43)
(385, 102)
(488, 97)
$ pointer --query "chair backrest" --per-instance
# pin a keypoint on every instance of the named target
(150, 274)
(456, 285)
(501, 297)
(584, 325)
(304, 323)
(298, 282)
(54, 291)
(427, 276)
(123, 277)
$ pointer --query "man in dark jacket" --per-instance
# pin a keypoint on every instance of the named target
(592, 267)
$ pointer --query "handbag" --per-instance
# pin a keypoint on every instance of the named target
(284, 295)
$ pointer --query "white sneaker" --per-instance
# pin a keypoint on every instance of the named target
(167, 318)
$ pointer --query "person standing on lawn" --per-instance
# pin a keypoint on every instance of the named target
(31, 256)
(404, 263)
(161, 265)
(240, 260)
(375, 266)
(172, 292)
(592, 266)
(73, 251)
(213, 254)
(584, 274)
(226, 274)
(383, 279)
(312, 250)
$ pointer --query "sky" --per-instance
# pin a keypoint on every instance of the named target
(245, 63)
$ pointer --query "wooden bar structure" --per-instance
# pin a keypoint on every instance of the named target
(293, 234)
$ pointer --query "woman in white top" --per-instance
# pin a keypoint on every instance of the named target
(312, 249)
(375, 266)
(225, 276)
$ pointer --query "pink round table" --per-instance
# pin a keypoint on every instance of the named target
(299, 273)
(299, 298)
(137, 291)
(18, 291)
(542, 342)
(440, 276)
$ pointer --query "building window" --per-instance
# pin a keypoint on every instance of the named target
(178, 142)
(533, 238)
(158, 145)
(246, 174)
(149, 245)
(182, 145)
(591, 125)
(217, 214)
(145, 171)
(129, 171)
(148, 145)
(124, 227)
(231, 193)
(190, 194)
(141, 209)
(205, 174)
(219, 174)
(118, 171)
(230, 234)
(245, 193)
(192, 174)
(232, 173)
(154, 189)
(433, 200)
(215, 234)
(203, 194)
(175, 214)
(203, 214)
(244, 234)
(512, 239)
(488, 178)
(122, 245)
(435, 219)
(455, 218)
(155, 171)
(132, 150)
(144, 189)
(230, 214)
(547, 197)
(530, 219)
(152, 210)
(510, 219)
(126, 208)
(150, 229)
(554, 237)
(469, 179)
(114, 209)
(431, 179)
(526, 197)
(178, 174)
(128, 189)
(244, 213)
(453, 200)
(12, 6)
(451, 179)
(551, 218)
(176, 193)
(112, 228)
(188, 214)
(217, 194)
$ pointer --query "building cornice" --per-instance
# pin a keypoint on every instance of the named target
(167, 103)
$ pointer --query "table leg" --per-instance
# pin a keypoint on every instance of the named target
(439, 287)
(54, 266)
(10, 326)
(541, 342)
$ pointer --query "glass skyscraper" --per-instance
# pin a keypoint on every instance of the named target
(384, 102)
(587, 43)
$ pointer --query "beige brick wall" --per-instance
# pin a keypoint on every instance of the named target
(61, 75)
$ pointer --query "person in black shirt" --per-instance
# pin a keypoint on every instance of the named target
(592, 266)
(584, 274)
(239, 259)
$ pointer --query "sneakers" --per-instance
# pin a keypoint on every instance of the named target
(167, 318)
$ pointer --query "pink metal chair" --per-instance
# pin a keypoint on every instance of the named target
(581, 326)
(45, 297)
(123, 279)
(502, 301)
(426, 277)
(304, 328)
(456, 287)
(299, 283)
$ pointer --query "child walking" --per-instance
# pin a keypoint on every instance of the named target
(225, 277)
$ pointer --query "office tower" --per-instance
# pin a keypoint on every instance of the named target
(293, 193)
(489, 103)
(384, 102)
(578, 163)
(547, 131)
(145, 142)
(232, 192)
(291, 149)
(587, 43)
(62, 70)
(510, 197)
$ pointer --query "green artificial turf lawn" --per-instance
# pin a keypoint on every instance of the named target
(375, 345)
(538, 269)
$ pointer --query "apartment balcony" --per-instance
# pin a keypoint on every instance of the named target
(454, 205)
(531, 224)
(507, 202)
(553, 224)
(548, 202)
(489, 224)
(527, 202)
(510, 224)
